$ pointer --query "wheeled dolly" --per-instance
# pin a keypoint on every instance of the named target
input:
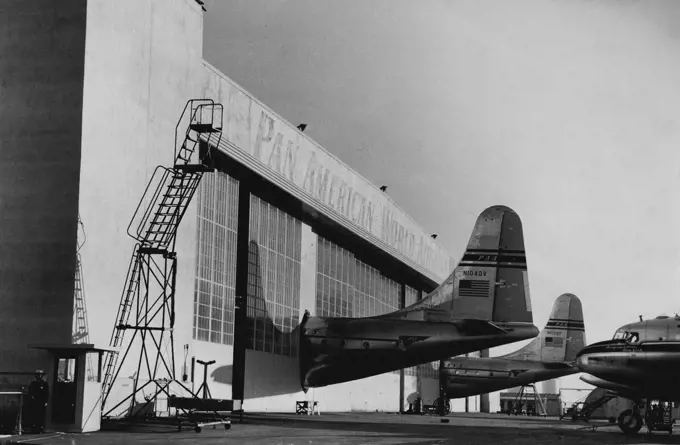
(199, 427)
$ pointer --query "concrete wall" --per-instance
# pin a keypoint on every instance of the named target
(272, 382)
(495, 402)
(41, 82)
(142, 63)
(474, 405)
(378, 393)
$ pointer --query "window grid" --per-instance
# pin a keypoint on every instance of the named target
(274, 265)
(429, 370)
(214, 288)
(347, 287)
(410, 297)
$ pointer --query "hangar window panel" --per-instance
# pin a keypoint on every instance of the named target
(203, 311)
(228, 324)
(220, 254)
(274, 285)
(319, 287)
(429, 370)
(331, 261)
(263, 211)
(297, 277)
(348, 287)
(284, 233)
(230, 278)
(410, 297)
(333, 268)
(216, 313)
(216, 258)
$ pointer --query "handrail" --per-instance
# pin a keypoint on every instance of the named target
(192, 112)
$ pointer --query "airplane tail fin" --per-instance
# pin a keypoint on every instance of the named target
(563, 336)
(491, 281)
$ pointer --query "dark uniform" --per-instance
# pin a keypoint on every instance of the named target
(38, 393)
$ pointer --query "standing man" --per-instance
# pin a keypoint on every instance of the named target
(38, 393)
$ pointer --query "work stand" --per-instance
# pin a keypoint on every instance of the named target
(147, 306)
(206, 411)
(204, 385)
(523, 399)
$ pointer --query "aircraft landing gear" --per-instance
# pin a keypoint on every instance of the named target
(630, 421)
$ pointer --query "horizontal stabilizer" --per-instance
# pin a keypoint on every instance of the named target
(479, 327)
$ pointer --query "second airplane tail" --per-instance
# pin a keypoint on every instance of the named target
(491, 281)
(563, 336)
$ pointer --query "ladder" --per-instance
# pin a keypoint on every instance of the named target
(122, 317)
(152, 267)
(589, 407)
(80, 330)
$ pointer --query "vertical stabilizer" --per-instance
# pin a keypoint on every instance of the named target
(491, 280)
(563, 336)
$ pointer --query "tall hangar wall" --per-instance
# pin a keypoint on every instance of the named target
(142, 63)
(41, 84)
(283, 224)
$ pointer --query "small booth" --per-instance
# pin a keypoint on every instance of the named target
(75, 392)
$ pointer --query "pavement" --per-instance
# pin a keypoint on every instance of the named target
(362, 428)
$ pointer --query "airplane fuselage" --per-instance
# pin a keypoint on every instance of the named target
(469, 376)
(485, 302)
(342, 349)
(649, 369)
(641, 363)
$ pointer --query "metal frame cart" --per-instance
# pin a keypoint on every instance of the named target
(659, 417)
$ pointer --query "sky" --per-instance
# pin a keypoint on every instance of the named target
(568, 111)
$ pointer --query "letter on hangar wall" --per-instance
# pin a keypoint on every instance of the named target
(330, 185)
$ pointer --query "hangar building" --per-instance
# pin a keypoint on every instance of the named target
(91, 92)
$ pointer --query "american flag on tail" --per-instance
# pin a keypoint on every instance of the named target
(473, 288)
(554, 342)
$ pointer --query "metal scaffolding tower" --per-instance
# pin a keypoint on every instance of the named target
(147, 305)
(523, 402)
